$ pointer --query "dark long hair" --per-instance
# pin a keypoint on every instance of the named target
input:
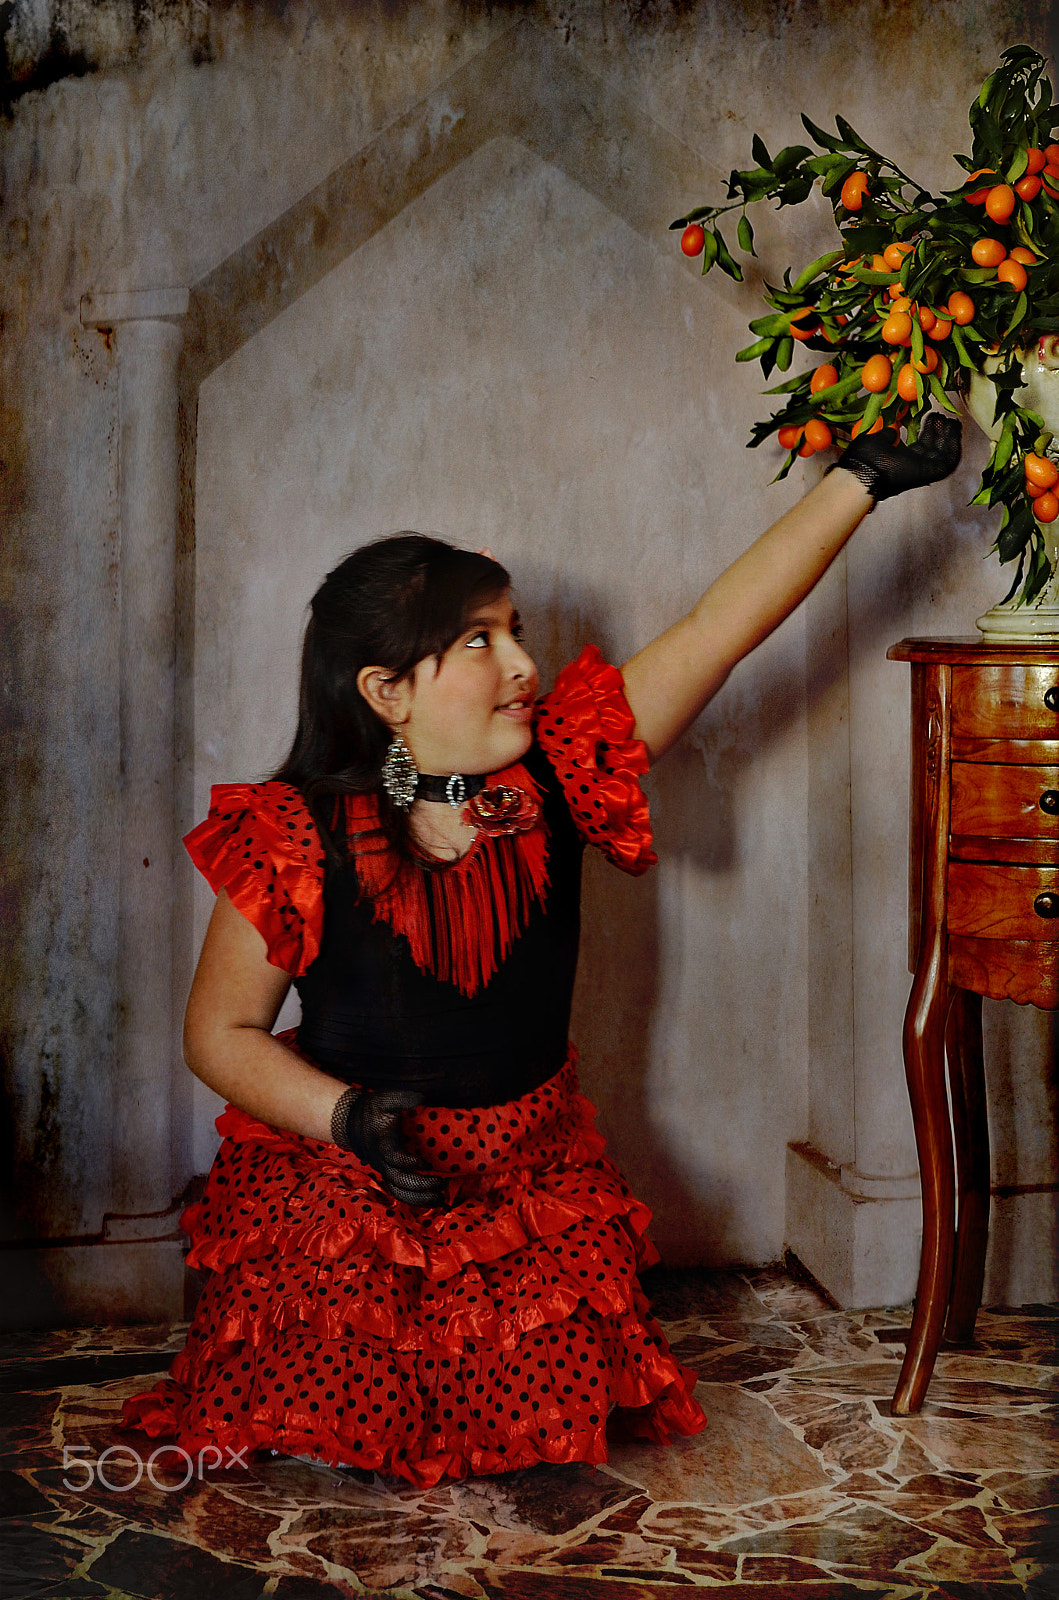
(390, 604)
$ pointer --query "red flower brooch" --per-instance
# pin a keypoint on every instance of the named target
(502, 809)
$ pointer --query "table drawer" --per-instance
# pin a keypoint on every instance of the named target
(1003, 902)
(1005, 702)
(1015, 802)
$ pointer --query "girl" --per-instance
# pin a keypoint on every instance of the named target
(421, 1261)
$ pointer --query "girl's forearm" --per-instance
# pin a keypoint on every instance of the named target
(255, 1071)
(671, 680)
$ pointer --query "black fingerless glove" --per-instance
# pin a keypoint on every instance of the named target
(887, 467)
(369, 1124)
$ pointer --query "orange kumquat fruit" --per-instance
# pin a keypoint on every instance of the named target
(960, 307)
(800, 329)
(876, 373)
(988, 252)
(823, 378)
(853, 191)
(1013, 273)
(928, 362)
(1046, 507)
(1000, 202)
(897, 328)
(906, 382)
(1040, 470)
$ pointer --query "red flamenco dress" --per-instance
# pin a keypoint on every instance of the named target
(507, 1326)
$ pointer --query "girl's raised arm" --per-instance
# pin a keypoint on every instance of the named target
(669, 682)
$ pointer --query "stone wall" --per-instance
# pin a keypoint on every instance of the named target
(408, 266)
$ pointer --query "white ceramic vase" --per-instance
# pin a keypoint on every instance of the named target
(1009, 622)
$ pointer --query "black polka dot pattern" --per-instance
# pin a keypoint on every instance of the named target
(260, 843)
(585, 728)
(492, 1334)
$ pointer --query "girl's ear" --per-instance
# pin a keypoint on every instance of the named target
(390, 698)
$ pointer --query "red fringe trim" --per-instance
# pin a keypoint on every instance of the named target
(460, 920)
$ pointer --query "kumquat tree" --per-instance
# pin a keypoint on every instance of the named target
(924, 290)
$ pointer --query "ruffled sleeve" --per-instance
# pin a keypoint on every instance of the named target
(259, 843)
(584, 727)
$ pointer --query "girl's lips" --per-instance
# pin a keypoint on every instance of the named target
(520, 710)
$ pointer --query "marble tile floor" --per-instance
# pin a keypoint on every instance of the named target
(803, 1484)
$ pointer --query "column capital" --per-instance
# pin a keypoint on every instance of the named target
(108, 308)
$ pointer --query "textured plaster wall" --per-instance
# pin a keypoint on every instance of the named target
(506, 361)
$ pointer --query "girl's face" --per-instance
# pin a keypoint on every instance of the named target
(473, 711)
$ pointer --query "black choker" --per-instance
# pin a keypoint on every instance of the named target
(454, 790)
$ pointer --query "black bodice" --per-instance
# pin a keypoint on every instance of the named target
(370, 1015)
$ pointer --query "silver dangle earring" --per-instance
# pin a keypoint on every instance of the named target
(400, 774)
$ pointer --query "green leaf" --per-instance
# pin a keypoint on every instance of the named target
(789, 157)
(774, 323)
(874, 279)
(1037, 577)
(852, 137)
(938, 391)
(822, 263)
(1017, 166)
(791, 385)
(837, 176)
(874, 409)
(837, 391)
(961, 348)
(1018, 313)
(1017, 578)
(1013, 537)
(784, 353)
(751, 352)
(1001, 450)
(796, 190)
(745, 235)
(759, 152)
(827, 141)
(725, 260)
(987, 88)
(709, 251)
(917, 339)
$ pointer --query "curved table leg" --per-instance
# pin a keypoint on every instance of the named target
(924, 1051)
(963, 1041)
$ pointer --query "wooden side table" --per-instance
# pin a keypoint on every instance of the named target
(983, 920)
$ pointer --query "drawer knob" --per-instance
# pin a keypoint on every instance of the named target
(1049, 801)
(1047, 905)
(1051, 697)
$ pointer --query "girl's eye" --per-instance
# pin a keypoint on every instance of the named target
(478, 641)
(518, 633)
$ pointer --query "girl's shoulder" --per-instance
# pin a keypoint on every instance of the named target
(259, 843)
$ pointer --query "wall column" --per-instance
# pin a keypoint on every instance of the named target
(148, 331)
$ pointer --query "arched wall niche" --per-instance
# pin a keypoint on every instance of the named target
(524, 94)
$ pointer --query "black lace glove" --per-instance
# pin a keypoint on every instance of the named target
(887, 467)
(369, 1124)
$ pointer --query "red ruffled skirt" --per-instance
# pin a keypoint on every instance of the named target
(493, 1334)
